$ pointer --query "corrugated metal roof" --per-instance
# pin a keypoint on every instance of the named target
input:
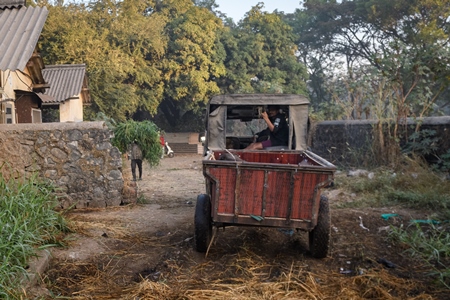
(44, 98)
(12, 3)
(20, 29)
(66, 81)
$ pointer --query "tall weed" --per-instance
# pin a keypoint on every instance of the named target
(28, 221)
(429, 243)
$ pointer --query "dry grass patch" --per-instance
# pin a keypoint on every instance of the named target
(242, 278)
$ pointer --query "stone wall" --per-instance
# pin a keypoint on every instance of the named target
(350, 143)
(80, 160)
(77, 157)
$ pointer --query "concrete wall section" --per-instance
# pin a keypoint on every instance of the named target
(77, 157)
(336, 140)
(349, 143)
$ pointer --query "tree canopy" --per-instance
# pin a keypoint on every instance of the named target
(118, 43)
(403, 43)
(169, 57)
(260, 56)
(191, 61)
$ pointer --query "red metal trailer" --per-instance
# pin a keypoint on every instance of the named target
(269, 187)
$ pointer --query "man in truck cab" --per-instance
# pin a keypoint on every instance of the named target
(276, 133)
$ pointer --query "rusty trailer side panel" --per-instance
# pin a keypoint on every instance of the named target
(266, 189)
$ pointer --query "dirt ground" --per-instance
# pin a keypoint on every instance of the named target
(145, 251)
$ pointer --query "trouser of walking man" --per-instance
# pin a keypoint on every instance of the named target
(137, 162)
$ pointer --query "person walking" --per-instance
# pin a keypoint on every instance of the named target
(136, 159)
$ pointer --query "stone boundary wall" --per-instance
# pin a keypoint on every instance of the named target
(349, 143)
(77, 157)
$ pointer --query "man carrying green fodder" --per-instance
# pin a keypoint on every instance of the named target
(135, 154)
(140, 140)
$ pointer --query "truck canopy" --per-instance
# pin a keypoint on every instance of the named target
(297, 116)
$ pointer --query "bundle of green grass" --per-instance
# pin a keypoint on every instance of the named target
(145, 133)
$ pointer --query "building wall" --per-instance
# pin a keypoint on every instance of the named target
(77, 157)
(78, 109)
(71, 111)
(11, 81)
(15, 80)
(24, 106)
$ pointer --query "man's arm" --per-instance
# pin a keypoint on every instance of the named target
(265, 116)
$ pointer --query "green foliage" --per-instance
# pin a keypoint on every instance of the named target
(169, 57)
(145, 133)
(431, 244)
(260, 56)
(192, 59)
(364, 185)
(142, 200)
(413, 185)
(444, 163)
(404, 40)
(120, 43)
(378, 60)
(108, 121)
(421, 143)
(50, 115)
(27, 221)
(425, 144)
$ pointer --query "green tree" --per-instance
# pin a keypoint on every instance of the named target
(119, 42)
(369, 32)
(261, 56)
(192, 60)
(394, 61)
(169, 56)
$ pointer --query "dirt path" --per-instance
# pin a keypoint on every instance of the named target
(145, 251)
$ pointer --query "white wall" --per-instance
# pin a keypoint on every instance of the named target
(71, 111)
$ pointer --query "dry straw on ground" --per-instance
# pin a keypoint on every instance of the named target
(251, 282)
(237, 276)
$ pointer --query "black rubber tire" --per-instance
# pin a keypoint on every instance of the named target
(319, 237)
(203, 223)
(171, 154)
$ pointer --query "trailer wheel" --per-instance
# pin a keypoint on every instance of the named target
(202, 222)
(319, 237)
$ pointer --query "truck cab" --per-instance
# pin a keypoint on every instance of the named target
(233, 120)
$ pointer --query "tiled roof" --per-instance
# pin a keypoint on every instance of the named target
(20, 29)
(66, 81)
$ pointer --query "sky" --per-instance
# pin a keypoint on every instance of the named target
(236, 9)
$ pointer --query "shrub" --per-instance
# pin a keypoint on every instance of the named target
(28, 221)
